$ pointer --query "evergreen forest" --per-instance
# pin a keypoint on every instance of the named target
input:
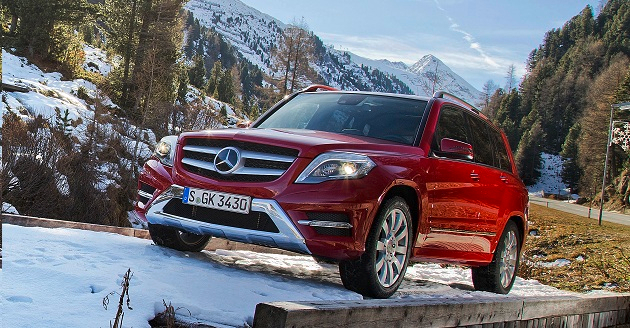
(563, 104)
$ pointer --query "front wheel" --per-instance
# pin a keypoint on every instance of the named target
(380, 270)
(177, 239)
(498, 276)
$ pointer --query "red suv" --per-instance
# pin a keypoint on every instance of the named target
(369, 180)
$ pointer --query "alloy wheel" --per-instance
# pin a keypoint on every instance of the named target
(392, 248)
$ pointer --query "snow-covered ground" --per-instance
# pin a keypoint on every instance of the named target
(59, 277)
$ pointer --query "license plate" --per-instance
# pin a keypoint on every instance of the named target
(217, 200)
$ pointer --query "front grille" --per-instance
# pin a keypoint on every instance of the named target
(259, 162)
(258, 221)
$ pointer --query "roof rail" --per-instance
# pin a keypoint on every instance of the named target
(315, 87)
(450, 96)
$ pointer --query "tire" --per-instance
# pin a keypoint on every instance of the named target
(380, 270)
(177, 239)
(498, 276)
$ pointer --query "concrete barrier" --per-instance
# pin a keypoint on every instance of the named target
(570, 311)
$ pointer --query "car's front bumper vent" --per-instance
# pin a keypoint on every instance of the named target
(145, 192)
(258, 221)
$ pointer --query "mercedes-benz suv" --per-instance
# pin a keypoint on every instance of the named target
(369, 180)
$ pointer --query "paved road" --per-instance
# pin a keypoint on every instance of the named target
(581, 210)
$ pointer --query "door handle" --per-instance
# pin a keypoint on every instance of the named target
(503, 178)
(474, 176)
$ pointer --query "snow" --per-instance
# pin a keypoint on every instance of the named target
(59, 277)
(8, 208)
(96, 60)
(556, 263)
(49, 93)
(550, 181)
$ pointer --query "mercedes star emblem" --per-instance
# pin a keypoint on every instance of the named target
(227, 160)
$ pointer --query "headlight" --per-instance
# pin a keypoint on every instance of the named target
(165, 150)
(335, 166)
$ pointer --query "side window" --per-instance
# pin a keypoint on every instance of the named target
(501, 154)
(452, 125)
(482, 143)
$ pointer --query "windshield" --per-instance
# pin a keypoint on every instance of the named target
(377, 116)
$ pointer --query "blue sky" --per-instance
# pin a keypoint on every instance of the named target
(478, 39)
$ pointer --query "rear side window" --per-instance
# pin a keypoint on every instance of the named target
(483, 146)
(501, 153)
(452, 125)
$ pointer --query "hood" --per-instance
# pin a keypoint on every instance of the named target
(310, 143)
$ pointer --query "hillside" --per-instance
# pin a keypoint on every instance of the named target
(563, 104)
(254, 34)
(67, 152)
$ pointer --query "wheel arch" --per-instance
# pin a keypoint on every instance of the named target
(521, 225)
(411, 197)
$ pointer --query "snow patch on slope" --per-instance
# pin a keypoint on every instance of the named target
(253, 33)
(550, 181)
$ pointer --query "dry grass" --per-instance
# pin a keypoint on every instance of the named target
(599, 255)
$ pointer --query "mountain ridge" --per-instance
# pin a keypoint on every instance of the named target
(253, 34)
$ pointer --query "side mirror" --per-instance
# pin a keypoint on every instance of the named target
(456, 149)
(243, 124)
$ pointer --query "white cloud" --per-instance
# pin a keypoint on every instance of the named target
(469, 38)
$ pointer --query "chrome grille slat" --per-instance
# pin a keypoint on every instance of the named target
(201, 164)
(267, 157)
(258, 171)
(199, 157)
(202, 149)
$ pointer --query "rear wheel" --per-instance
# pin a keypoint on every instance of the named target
(498, 276)
(177, 239)
(380, 270)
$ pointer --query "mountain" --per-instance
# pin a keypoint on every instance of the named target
(253, 34)
(426, 76)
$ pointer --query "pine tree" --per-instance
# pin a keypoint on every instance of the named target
(571, 171)
(225, 87)
(528, 154)
(182, 89)
(488, 90)
(197, 73)
(63, 123)
(509, 117)
(215, 77)
(36, 20)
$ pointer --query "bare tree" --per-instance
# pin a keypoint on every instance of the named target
(488, 89)
(510, 78)
(294, 55)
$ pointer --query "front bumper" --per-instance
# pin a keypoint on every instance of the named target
(287, 237)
